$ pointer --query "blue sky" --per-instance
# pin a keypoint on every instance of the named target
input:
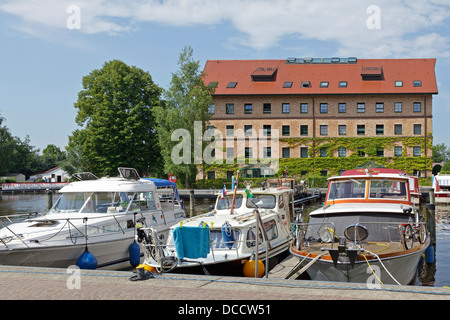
(47, 46)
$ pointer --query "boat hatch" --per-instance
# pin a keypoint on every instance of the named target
(44, 223)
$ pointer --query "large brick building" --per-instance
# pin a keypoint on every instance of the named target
(332, 114)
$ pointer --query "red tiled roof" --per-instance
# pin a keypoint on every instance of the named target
(388, 70)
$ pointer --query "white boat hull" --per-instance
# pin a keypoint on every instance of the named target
(403, 268)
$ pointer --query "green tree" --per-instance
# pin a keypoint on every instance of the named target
(114, 109)
(186, 101)
(52, 156)
(441, 153)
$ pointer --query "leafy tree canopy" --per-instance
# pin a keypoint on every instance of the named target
(118, 127)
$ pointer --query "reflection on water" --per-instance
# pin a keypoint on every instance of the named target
(436, 274)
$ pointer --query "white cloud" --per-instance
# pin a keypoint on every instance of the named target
(408, 28)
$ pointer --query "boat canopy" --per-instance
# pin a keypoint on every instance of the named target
(163, 183)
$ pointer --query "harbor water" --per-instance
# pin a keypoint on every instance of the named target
(436, 274)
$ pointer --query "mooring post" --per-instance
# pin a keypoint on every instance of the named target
(49, 199)
(191, 202)
(431, 222)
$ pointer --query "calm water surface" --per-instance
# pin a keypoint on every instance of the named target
(437, 274)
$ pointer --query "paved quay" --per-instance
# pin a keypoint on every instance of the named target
(27, 283)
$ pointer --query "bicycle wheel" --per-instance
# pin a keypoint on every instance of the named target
(407, 237)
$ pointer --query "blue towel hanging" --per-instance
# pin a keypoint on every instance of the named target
(191, 242)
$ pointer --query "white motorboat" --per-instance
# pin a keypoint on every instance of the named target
(441, 186)
(96, 216)
(223, 240)
(368, 231)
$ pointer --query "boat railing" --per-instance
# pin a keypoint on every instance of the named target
(356, 233)
(75, 229)
(155, 246)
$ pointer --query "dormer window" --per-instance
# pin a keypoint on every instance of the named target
(399, 83)
(342, 84)
(417, 83)
(324, 84)
(306, 84)
(232, 85)
(287, 84)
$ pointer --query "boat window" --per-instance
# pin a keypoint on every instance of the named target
(263, 201)
(107, 202)
(93, 229)
(271, 231)
(348, 189)
(218, 242)
(70, 202)
(142, 201)
(391, 189)
(225, 202)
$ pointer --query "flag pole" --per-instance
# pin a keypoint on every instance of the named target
(234, 194)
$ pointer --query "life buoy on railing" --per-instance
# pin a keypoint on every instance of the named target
(228, 235)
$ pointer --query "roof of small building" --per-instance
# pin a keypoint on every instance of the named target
(321, 76)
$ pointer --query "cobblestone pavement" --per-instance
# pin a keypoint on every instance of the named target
(22, 283)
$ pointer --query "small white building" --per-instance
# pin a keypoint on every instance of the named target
(53, 175)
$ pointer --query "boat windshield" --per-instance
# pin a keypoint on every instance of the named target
(347, 189)
(104, 202)
(263, 201)
(225, 202)
(391, 189)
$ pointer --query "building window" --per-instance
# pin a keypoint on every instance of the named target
(417, 107)
(342, 84)
(248, 108)
(397, 151)
(303, 130)
(285, 130)
(323, 130)
(211, 109)
(303, 108)
(380, 152)
(324, 84)
(398, 129)
(361, 152)
(417, 83)
(211, 175)
(361, 108)
(342, 130)
(248, 152)
(361, 129)
(417, 152)
(267, 130)
(231, 84)
(323, 152)
(286, 152)
(398, 107)
(306, 84)
(248, 130)
(417, 128)
(342, 107)
(230, 174)
(230, 131)
(342, 152)
(267, 152)
(324, 108)
(399, 83)
(303, 152)
(287, 84)
(379, 129)
(285, 107)
(230, 108)
(230, 153)
(379, 107)
(267, 108)
(323, 173)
